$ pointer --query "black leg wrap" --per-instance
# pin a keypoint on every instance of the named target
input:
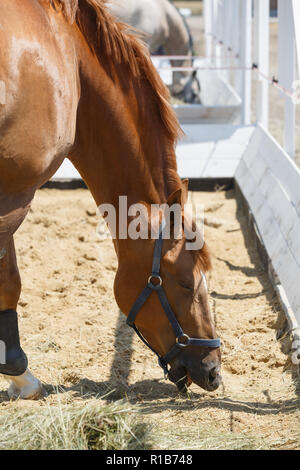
(13, 360)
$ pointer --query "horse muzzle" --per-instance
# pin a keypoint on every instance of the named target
(206, 375)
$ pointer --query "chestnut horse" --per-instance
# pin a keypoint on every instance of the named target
(75, 83)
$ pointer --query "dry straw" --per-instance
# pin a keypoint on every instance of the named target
(82, 425)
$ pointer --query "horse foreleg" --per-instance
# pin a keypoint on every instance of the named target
(13, 360)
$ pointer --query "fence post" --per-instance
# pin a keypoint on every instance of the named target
(246, 58)
(225, 15)
(261, 58)
(296, 12)
(216, 33)
(208, 28)
(236, 32)
(286, 72)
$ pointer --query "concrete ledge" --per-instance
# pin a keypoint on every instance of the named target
(62, 183)
(195, 184)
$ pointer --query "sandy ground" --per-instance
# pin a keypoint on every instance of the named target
(78, 343)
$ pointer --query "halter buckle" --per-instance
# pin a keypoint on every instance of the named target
(185, 343)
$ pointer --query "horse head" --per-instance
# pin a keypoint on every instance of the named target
(176, 323)
(188, 90)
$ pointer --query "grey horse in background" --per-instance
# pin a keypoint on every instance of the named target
(166, 32)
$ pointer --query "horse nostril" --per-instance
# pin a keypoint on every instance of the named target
(213, 373)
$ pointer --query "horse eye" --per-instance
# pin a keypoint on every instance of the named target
(186, 286)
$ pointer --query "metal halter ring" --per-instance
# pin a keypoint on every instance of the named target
(186, 338)
(160, 281)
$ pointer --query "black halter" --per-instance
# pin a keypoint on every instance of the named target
(182, 339)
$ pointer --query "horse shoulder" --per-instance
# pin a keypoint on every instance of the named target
(40, 92)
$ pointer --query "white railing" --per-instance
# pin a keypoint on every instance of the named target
(286, 69)
(261, 57)
(229, 28)
(237, 44)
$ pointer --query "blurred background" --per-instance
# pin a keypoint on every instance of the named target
(193, 10)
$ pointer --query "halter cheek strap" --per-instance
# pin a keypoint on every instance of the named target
(182, 339)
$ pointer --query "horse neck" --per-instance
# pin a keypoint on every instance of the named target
(179, 40)
(121, 145)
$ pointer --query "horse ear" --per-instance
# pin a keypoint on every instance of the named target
(185, 191)
(180, 196)
(175, 197)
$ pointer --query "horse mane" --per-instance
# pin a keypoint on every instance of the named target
(203, 258)
(117, 41)
(106, 36)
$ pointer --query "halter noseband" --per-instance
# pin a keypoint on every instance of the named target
(182, 339)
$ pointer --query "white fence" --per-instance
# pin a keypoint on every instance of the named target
(228, 43)
(229, 28)
(270, 181)
(266, 175)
